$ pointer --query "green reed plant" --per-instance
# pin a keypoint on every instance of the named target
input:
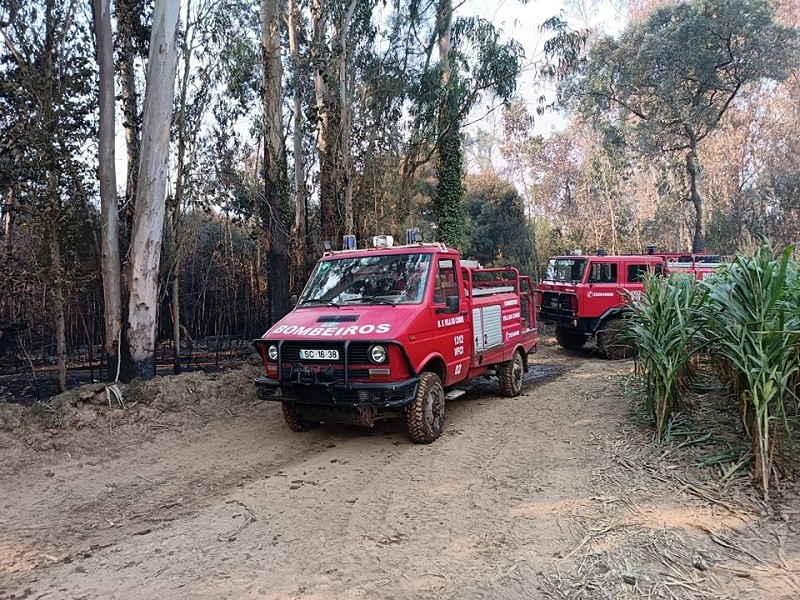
(668, 328)
(753, 307)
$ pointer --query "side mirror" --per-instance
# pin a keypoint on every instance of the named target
(293, 300)
(451, 305)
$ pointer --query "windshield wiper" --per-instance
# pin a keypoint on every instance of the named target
(376, 300)
(320, 301)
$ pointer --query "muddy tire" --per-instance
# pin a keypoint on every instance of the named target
(294, 420)
(425, 415)
(612, 341)
(569, 339)
(512, 374)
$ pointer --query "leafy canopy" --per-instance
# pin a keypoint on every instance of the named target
(673, 75)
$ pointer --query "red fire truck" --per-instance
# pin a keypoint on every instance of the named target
(699, 265)
(391, 330)
(586, 295)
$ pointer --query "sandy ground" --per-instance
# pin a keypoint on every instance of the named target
(198, 490)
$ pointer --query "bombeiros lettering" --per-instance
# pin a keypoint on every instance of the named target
(366, 329)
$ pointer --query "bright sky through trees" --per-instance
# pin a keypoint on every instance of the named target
(521, 21)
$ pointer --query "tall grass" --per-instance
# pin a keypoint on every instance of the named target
(753, 307)
(668, 327)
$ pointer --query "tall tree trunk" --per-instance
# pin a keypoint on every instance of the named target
(127, 18)
(57, 302)
(8, 221)
(449, 190)
(275, 179)
(148, 222)
(693, 171)
(328, 194)
(53, 201)
(177, 201)
(346, 83)
(109, 225)
(301, 193)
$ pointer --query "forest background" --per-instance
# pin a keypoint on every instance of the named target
(254, 131)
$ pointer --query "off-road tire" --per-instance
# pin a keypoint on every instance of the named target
(569, 339)
(512, 374)
(425, 414)
(611, 340)
(294, 420)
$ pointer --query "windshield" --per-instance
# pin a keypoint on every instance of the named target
(565, 269)
(388, 279)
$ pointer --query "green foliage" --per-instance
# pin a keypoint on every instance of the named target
(449, 190)
(676, 72)
(496, 228)
(668, 326)
(670, 78)
(755, 312)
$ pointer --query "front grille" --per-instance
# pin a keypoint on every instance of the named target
(358, 352)
(556, 306)
(358, 363)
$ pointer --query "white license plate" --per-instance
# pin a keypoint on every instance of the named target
(319, 354)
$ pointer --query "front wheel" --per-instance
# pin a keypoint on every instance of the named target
(425, 414)
(569, 338)
(295, 421)
(512, 373)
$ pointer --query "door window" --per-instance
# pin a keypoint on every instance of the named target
(601, 272)
(445, 280)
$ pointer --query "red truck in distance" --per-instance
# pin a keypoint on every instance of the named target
(390, 331)
(588, 296)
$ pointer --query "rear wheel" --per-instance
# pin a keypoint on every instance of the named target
(612, 341)
(425, 414)
(295, 421)
(569, 338)
(512, 373)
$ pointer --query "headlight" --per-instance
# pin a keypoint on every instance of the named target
(377, 354)
(272, 352)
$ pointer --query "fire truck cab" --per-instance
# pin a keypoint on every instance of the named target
(391, 330)
(588, 295)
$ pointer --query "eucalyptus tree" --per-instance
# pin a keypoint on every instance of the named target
(132, 39)
(339, 33)
(146, 236)
(275, 172)
(667, 81)
(109, 224)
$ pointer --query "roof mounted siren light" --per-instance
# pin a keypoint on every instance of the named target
(327, 245)
(413, 236)
(651, 249)
(382, 241)
(349, 242)
(601, 252)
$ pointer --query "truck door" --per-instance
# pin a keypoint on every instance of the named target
(604, 289)
(451, 337)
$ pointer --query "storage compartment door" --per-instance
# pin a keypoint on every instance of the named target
(477, 330)
(493, 326)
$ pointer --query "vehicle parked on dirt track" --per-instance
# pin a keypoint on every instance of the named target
(390, 331)
(589, 295)
(699, 265)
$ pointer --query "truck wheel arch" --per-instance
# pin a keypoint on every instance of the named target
(611, 313)
(435, 364)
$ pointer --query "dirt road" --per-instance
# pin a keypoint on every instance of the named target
(554, 494)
